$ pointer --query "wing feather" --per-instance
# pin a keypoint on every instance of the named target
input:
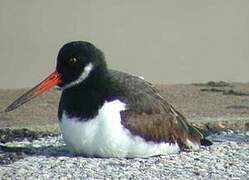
(149, 115)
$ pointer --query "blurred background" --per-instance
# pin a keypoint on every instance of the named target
(171, 42)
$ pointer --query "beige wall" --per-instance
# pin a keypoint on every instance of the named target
(178, 41)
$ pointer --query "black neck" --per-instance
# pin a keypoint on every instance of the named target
(84, 100)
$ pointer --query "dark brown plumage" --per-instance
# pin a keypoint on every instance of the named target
(149, 115)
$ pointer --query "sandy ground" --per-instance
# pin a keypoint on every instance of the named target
(214, 104)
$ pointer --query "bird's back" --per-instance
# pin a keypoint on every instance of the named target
(150, 116)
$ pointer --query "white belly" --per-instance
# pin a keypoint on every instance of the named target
(104, 136)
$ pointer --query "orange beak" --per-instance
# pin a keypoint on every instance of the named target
(52, 80)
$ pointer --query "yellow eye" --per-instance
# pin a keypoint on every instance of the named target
(72, 61)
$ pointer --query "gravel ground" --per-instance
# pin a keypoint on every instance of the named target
(30, 154)
(47, 158)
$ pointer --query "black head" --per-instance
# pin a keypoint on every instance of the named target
(76, 60)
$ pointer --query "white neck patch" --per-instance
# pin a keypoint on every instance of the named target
(88, 68)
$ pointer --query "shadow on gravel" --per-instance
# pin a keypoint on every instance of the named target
(8, 135)
(11, 154)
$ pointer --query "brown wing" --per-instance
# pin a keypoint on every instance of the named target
(160, 127)
(149, 115)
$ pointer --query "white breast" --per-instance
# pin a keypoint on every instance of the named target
(104, 136)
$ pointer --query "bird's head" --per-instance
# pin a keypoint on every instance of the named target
(75, 63)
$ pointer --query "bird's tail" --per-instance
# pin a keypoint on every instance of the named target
(192, 137)
(196, 134)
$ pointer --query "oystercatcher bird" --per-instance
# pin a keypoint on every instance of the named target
(107, 113)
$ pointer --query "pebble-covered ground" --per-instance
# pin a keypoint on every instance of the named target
(26, 154)
(48, 158)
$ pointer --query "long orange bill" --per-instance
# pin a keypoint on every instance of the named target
(52, 80)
